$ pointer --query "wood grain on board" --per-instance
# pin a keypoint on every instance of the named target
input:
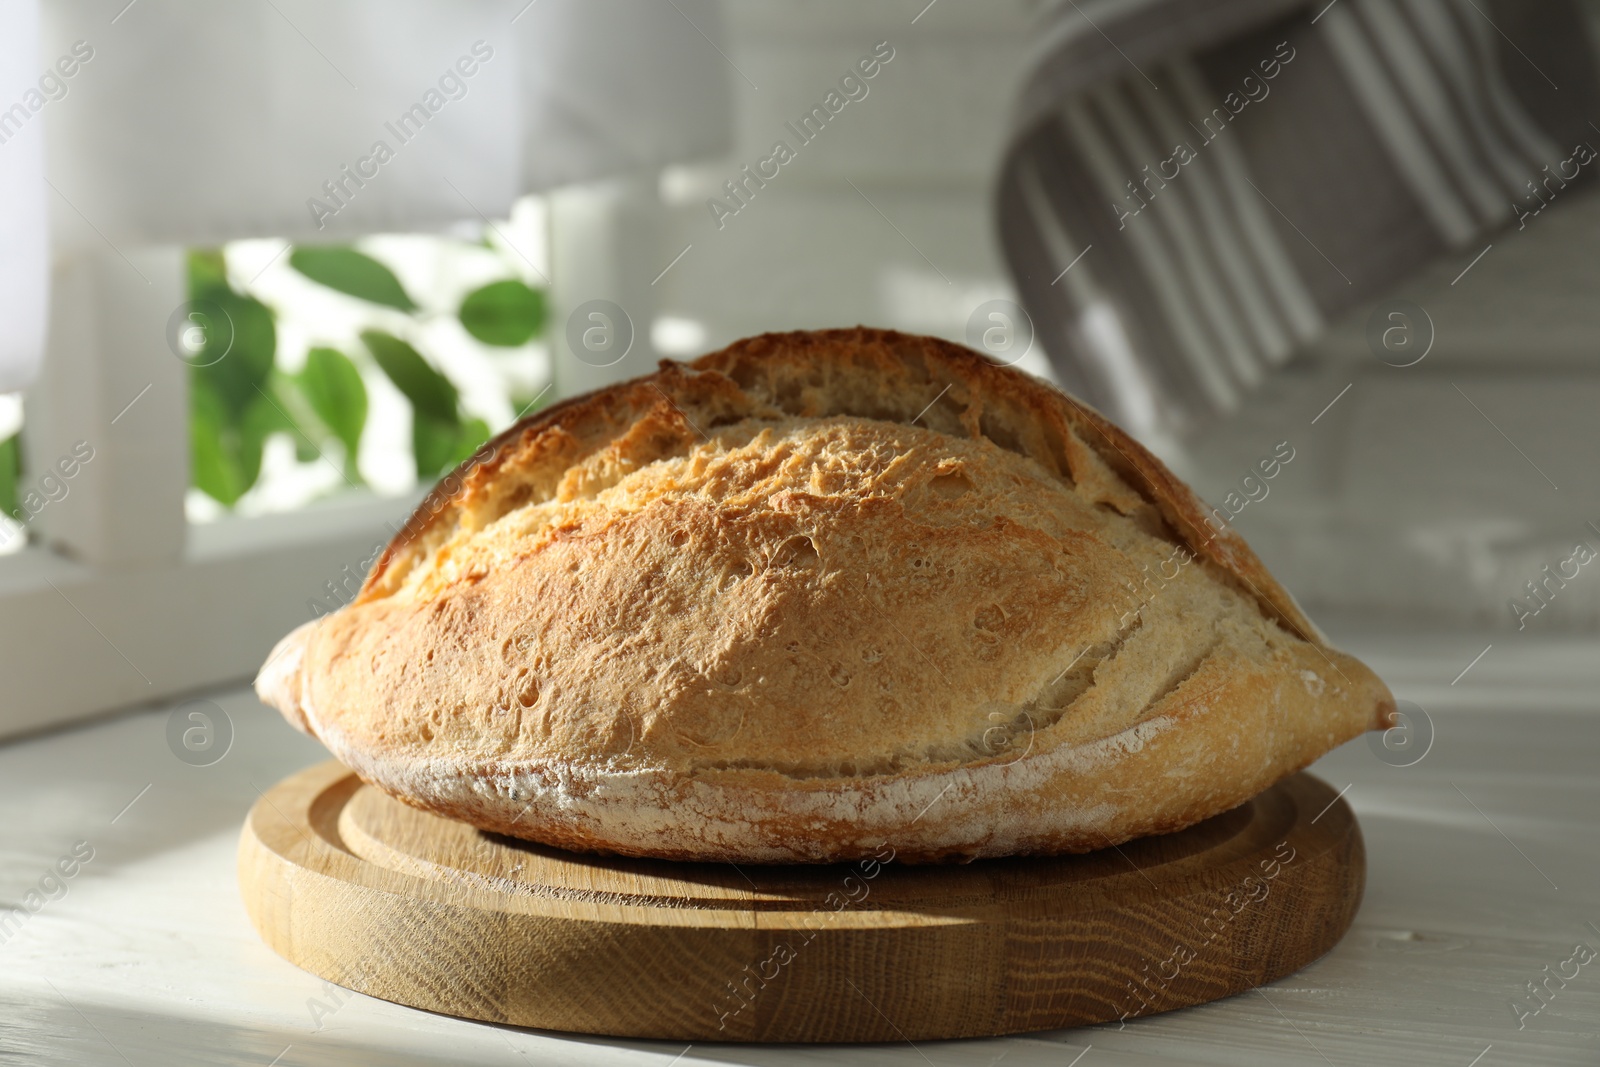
(408, 907)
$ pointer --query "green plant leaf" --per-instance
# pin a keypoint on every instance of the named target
(430, 392)
(237, 353)
(439, 446)
(231, 381)
(472, 433)
(352, 273)
(10, 472)
(213, 464)
(224, 446)
(208, 271)
(433, 444)
(333, 386)
(298, 416)
(506, 313)
(261, 420)
(234, 362)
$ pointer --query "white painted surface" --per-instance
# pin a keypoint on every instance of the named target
(110, 388)
(150, 959)
(1439, 490)
(78, 639)
(884, 218)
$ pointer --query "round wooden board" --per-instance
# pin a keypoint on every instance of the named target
(408, 907)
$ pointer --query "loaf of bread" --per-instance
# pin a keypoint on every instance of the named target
(812, 594)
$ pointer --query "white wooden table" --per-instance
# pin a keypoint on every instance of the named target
(1484, 869)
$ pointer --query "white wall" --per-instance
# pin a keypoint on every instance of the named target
(810, 250)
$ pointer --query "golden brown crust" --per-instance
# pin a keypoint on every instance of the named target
(814, 592)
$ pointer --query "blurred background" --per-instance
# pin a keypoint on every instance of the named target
(268, 269)
(301, 262)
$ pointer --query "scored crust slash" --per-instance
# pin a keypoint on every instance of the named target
(637, 627)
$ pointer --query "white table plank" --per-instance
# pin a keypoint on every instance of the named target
(150, 959)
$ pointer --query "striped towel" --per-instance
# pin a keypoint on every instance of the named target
(1195, 187)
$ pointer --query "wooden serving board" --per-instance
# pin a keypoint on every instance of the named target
(405, 906)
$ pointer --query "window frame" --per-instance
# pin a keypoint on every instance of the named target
(118, 600)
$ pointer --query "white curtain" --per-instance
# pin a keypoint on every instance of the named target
(24, 274)
(195, 123)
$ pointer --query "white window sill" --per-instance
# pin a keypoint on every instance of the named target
(77, 640)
